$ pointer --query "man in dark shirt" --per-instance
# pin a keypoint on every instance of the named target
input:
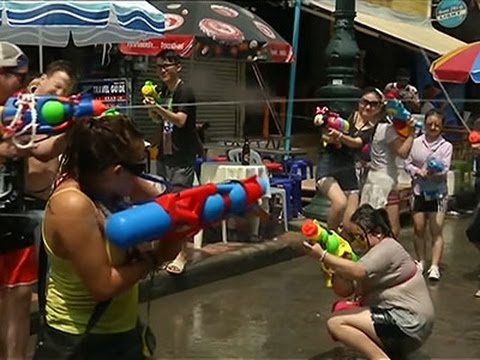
(178, 141)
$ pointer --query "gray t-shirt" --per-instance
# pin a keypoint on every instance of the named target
(382, 156)
(393, 282)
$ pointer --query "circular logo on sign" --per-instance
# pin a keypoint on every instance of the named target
(221, 32)
(265, 30)
(451, 13)
(224, 11)
(173, 21)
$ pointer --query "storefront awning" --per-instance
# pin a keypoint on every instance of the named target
(410, 34)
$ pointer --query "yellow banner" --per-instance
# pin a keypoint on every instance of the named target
(417, 8)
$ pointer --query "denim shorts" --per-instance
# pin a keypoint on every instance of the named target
(342, 172)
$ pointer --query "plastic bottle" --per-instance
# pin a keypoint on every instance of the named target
(245, 159)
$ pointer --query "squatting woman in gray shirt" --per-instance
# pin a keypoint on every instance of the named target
(395, 313)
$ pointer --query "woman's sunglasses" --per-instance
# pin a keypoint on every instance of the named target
(21, 77)
(366, 102)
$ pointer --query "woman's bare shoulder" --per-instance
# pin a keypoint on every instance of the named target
(71, 200)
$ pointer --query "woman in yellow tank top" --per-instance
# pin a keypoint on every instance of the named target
(100, 168)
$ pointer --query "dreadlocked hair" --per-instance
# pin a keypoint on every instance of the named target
(372, 220)
(94, 144)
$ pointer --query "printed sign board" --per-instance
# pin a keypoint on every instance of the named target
(451, 13)
(115, 92)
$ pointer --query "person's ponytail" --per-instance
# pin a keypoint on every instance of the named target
(382, 221)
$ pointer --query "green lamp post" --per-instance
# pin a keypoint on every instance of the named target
(342, 55)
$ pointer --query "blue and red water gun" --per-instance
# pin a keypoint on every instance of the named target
(399, 115)
(27, 114)
(176, 216)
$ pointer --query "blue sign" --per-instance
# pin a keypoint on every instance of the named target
(113, 92)
(451, 13)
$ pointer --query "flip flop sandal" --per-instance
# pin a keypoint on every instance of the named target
(175, 267)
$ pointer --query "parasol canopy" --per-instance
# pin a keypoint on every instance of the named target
(458, 66)
(51, 23)
(214, 29)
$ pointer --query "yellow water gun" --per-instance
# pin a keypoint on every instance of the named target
(329, 240)
(149, 89)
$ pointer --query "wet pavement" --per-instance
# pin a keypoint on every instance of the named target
(279, 312)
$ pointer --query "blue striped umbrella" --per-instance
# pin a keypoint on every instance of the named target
(51, 23)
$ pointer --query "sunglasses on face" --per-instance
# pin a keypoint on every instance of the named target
(365, 102)
(21, 77)
(136, 169)
(165, 67)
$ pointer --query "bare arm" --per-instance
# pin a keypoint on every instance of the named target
(49, 149)
(401, 147)
(347, 140)
(144, 191)
(73, 227)
(44, 151)
(347, 269)
(178, 119)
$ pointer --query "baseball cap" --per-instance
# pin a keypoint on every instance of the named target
(12, 56)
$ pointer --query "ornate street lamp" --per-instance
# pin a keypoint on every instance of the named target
(342, 55)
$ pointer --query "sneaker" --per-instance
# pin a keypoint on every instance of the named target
(433, 273)
(420, 266)
(477, 294)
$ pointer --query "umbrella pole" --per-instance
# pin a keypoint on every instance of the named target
(293, 74)
(261, 83)
(40, 52)
(40, 58)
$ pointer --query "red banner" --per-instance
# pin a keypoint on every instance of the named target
(181, 44)
(281, 53)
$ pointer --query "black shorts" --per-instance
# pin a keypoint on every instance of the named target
(343, 173)
(59, 345)
(419, 204)
(395, 342)
(16, 232)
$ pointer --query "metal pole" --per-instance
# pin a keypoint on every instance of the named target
(293, 74)
(342, 55)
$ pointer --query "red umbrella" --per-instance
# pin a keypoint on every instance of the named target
(214, 29)
(459, 65)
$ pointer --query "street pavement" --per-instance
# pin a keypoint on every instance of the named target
(279, 312)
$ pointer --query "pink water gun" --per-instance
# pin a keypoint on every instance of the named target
(330, 120)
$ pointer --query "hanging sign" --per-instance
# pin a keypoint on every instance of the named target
(113, 92)
(451, 13)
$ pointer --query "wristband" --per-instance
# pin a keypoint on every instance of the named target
(322, 257)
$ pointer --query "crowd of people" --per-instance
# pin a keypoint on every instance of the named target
(55, 197)
(392, 313)
(71, 183)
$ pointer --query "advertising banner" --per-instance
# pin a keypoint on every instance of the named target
(114, 92)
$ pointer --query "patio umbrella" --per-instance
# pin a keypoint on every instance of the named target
(52, 23)
(458, 66)
(214, 29)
